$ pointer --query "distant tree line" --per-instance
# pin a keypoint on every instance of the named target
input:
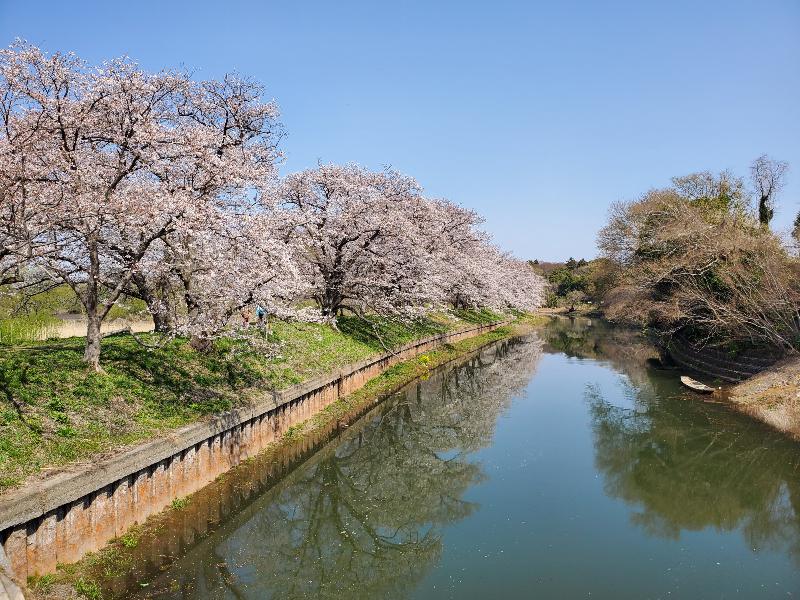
(575, 283)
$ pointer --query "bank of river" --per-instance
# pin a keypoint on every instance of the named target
(557, 464)
(772, 396)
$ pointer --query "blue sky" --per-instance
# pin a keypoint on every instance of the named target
(537, 114)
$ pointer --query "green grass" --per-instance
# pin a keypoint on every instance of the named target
(54, 412)
(178, 504)
(27, 319)
(60, 299)
(88, 589)
(43, 583)
(478, 317)
(24, 319)
(25, 328)
(130, 539)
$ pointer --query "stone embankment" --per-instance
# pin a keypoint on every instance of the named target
(67, 515)
(9, 590)
(765, 387)
(718, 364)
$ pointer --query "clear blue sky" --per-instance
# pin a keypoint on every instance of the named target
(537, 114)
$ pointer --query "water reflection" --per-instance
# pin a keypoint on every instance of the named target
(683, 472)
(365, 517)
(601, 446)
(683, 464)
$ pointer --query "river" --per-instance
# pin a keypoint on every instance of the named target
(561, 464)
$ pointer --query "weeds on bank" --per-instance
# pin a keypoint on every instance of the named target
(180, 503)
(88, 589)
(42, 583)
(130, 539)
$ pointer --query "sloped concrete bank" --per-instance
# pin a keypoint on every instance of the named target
(717, 364)
(63, 517)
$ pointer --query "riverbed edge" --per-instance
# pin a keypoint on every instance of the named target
(772, 397)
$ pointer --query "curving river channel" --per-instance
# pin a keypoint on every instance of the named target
(555, 465)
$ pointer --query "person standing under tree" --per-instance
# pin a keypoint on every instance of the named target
(262, 319)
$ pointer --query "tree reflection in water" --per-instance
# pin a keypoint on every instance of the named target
(685, 465)
(364, 518)
(684, 472)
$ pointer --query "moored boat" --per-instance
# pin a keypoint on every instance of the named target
(696, 385)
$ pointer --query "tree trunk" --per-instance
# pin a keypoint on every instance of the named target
(91, 354)
(157, 297)
(199, 341)
(91, 301)
(765, 213)
(162, 321)
(331, 303)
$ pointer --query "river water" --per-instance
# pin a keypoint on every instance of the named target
(556, 465)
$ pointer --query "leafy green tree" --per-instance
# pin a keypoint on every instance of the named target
(565, 280)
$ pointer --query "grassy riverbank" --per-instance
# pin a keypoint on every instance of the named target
(88, 577)
(54, 412)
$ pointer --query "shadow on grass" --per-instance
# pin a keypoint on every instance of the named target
(477, 317)
(379, 331)
(170, 380)
(181, 377)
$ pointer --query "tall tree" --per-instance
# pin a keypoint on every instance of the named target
(768, 178)
(355, 232)
(467, 270)
(102, 164)
(685, 270)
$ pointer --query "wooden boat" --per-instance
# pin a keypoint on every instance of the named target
(696, 385)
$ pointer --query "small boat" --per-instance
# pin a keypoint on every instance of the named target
(696, 385)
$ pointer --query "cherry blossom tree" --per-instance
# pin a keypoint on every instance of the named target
(109, 161)
(519, 287)
(373, 243)
(356, 236)
(9, 269)
(451, 236)
(242, 264)
(468, 270)
(119, 182)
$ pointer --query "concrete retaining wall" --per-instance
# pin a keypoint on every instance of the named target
(715, 363)
(60, 519)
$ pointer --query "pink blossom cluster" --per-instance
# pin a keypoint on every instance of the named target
(118, 182)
